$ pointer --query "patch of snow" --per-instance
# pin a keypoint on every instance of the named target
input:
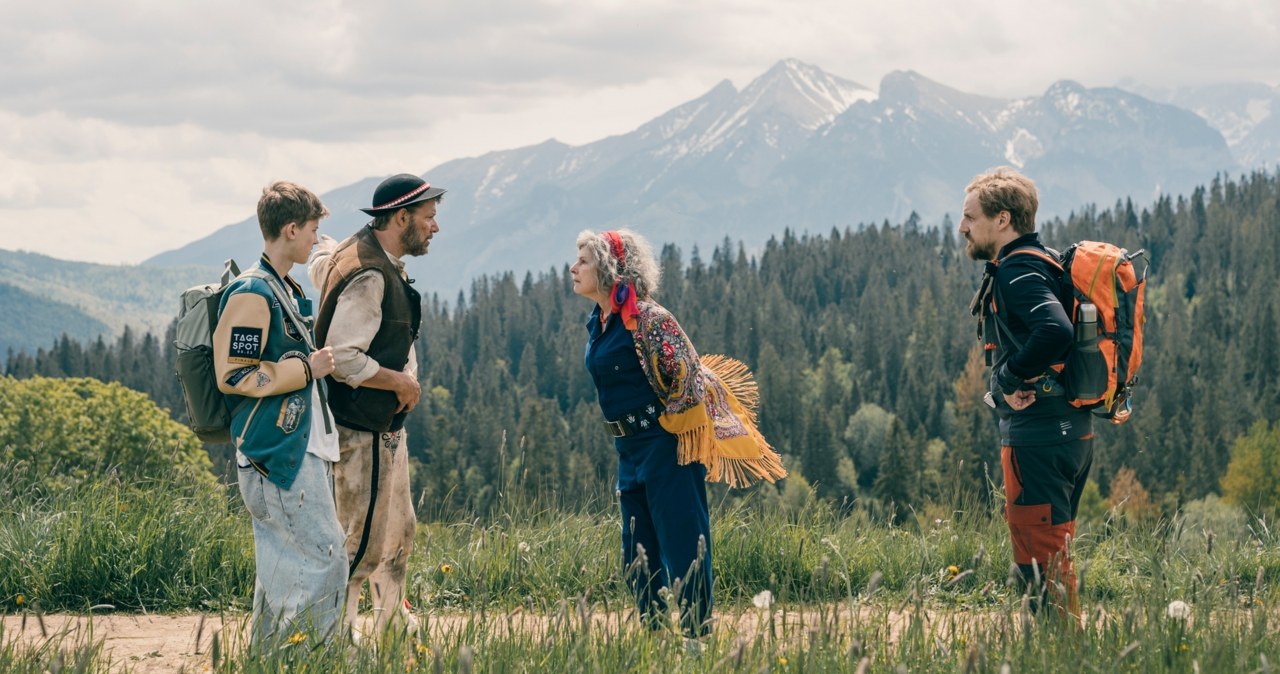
(1258, 109)
(1011, 111)
(802, 93)
(1069, 104)
(569, 165)
(1233, 127)
(1236, 125)
(1023, 146)
(501, 187)
(671, 127)
(771, 135)
(827, 95)
(722, 127)
(484, 182)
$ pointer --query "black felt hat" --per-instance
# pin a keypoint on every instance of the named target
(399, 191)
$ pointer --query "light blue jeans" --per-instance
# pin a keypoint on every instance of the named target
(300, 552)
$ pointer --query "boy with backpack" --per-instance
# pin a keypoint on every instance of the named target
(1046, 442)
(266, 363)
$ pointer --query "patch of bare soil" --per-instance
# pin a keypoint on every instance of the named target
(140, 643)
(149, 644)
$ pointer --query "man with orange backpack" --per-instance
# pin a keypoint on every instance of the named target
(1026, 327)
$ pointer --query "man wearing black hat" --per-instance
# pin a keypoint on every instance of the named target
(370, 315)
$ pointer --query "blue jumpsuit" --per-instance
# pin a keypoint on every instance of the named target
(666, 525)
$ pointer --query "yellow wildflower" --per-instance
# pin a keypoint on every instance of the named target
(446, 568)
(953, 570)
(422, 649)
(297, 638)
(19, 600)
(782, 660)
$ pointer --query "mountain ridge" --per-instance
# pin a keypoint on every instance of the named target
(90, 299)
(34, 322)
(796, 148)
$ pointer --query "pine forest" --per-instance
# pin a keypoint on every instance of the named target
(861, 341)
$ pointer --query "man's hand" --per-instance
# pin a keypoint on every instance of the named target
(321, 361)
(405, 386)
(1021, 399)
(326, 243)
(320, 262)
(1016, 393)
(407, 390)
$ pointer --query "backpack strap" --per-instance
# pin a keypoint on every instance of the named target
(1032, 251)
(299, 324)
(230, 271)
(286, 302)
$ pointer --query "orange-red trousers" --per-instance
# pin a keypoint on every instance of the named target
(1042, 486)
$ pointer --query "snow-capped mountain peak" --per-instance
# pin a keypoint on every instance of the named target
(790, 99)
(803, 149)
(1246, 113)
(806, 93)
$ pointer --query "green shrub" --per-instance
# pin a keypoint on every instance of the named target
(1253, 476)
(70, 430)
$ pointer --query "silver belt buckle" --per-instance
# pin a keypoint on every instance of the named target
(615, 428)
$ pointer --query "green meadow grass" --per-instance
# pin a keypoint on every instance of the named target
(539, 589)
(127, 542)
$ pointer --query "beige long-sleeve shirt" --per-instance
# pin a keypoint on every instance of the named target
(356, 317)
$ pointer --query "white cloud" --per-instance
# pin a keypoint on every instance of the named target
(93, 190)
(134, 126)
(17, 189)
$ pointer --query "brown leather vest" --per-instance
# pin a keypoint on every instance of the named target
(370, 409)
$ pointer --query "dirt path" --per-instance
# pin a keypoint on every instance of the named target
(150, 644)
(142, 643)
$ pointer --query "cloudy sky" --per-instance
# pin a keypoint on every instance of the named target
(131, 127)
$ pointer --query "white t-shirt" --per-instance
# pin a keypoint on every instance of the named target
(323, 445)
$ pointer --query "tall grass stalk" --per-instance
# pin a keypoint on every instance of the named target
(539, 589)
(123, 542)
(162, 544)
(63, 652)
(911, 635)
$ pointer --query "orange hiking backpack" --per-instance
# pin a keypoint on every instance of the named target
(1102, 368)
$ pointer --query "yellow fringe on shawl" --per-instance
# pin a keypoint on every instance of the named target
(742, 459)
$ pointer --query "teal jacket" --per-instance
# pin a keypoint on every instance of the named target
(261, 363)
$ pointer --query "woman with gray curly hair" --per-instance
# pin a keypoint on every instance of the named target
(677, 420)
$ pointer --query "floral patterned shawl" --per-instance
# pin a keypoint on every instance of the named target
(708, 403)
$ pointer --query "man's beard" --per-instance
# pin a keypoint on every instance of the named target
(413, 242)
(981, 253)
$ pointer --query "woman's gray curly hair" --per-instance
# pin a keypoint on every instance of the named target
(641, 267)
